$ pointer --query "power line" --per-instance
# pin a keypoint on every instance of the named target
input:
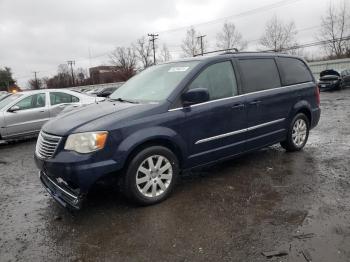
(311, 44)
(322, 42)
(238, 15)
(153, 39)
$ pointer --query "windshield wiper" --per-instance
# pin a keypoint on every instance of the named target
(119, 99)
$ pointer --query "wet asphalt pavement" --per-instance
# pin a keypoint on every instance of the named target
(269, 200)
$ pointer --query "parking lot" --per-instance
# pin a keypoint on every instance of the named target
(269, 200)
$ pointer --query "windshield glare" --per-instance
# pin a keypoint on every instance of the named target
(155, 83)
(8, 100)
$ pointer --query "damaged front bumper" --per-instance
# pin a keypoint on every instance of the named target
(64, 195)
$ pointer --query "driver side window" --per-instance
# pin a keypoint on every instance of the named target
(219, 79)
(33, 101)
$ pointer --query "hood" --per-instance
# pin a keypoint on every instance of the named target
(329, 72)
(329, 78)
(95, 117)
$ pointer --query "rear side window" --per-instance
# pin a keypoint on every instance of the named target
(293, 71)
(219, 79)
(259, 74)
(62, 98)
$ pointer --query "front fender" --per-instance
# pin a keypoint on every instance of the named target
(146, 135)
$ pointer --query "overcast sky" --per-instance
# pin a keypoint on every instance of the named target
(38, 35)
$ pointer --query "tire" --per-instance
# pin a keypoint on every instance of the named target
(298, 133)
(145, 183)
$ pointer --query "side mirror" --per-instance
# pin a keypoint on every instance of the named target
(195, 96)
(14, 109)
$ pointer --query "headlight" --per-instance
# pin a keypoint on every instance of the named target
(86, 142)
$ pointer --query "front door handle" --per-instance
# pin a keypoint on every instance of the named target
(255, 102)
(238, 106)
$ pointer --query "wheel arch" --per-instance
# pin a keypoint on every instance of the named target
(152, 137)
(302, 107)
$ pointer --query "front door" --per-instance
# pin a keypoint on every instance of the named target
(215, 129)
(32, 113)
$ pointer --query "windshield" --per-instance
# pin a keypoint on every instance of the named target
(155, 83)
(9, 99)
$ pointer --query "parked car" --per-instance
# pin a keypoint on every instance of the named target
(106, 91)
(24, 113)
(4, 94)
(329, 80)
(177, 116)
(345, 78)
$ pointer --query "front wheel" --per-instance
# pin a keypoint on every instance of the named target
(151, 175)
(298, 133)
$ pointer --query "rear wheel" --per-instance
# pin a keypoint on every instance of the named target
(151, 175)
(298, 133)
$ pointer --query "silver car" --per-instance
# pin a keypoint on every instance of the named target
(3, 95)
(24, 113)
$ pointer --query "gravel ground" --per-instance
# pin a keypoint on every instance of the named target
(269, 200)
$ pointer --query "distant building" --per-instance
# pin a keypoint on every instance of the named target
(105, 74)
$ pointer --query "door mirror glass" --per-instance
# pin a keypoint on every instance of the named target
(14, 109)
(195, 96)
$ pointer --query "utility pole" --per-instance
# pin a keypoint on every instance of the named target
(36, 80)
(201, 39)
(153, 39)
(71, 63)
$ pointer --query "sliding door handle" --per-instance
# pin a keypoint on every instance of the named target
(238, 106)
(255, 102)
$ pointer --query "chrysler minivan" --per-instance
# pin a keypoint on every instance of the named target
(176, 116)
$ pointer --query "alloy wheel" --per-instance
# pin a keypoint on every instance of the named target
(299, 132)
(154, 176)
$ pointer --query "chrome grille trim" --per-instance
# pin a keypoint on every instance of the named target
(46, 145)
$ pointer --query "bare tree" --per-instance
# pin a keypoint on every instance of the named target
(81, 74)
(190, 45)
(164, 54)
(63, 69)
(279, 36)
(335, 26)
(230, 38)
(35, 84)
(143, 50)
(124, 59)
(63, 77)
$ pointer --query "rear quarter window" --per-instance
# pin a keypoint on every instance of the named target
(293, 71)
(259, 74)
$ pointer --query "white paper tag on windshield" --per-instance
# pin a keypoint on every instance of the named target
(178, 69)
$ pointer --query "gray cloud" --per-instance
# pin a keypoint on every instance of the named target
(40, 34)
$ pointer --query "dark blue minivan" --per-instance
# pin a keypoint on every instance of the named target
(176, 116)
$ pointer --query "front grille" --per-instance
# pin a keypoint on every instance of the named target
(46, 145)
